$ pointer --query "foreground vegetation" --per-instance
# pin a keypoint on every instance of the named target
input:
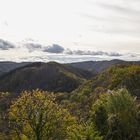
(39, 115)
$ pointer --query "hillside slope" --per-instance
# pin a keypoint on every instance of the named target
(116, 77)
(50, 76)
(121, 76)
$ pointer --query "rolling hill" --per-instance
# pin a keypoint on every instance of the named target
(50, 76)
(92, 66)
(115, 77)
(99, 66)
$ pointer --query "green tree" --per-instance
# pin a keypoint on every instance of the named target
(122, 111)
(99, 116)
(36, 116)
(115, 115)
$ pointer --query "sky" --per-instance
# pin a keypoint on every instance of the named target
(81, 29)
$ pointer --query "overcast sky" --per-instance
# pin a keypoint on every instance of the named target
(95, 25)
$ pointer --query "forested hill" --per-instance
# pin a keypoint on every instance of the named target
(92, 66)
(50, 76)
(115, 77)
(57, 77)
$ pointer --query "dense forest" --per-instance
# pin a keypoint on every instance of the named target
(70, 103)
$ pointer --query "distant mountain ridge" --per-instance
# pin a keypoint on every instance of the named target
(99, 66)
(53, 76)
(50, 76)
(7, 66)
(92, 66)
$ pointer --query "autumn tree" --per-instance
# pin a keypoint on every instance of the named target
(35, 115)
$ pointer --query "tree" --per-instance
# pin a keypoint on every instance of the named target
(35, 115)
(99, 116)
(115, 115)
(5, 100)
(122, 108)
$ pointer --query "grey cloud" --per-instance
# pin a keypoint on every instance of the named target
(114, 54)
(5, 45)
(97, 53)
(54, 49)
(33, 46)
(59, 49)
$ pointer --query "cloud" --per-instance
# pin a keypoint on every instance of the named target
(57, 49)
(5, 45)
(114, 54)
(121, 9)
(57, 53)
(97, 53)
(112, 19)
(120, 17)
(33, 46)
(54, 49)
